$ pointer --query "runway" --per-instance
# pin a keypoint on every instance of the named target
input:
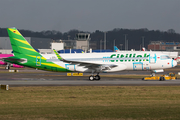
(33, 77)
(54, 79)
(127, 82)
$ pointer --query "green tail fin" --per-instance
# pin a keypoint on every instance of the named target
(19, 44)
(26, 55)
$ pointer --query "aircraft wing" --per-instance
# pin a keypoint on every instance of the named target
(86, 64)
(90, 65)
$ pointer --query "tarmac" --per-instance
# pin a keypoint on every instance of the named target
(32, 77)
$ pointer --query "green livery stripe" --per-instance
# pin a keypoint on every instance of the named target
(29, 49)
(36, 56)
(58, 56)
(25, 42)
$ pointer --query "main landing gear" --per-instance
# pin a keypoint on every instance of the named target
(96, 77)
(7, 67)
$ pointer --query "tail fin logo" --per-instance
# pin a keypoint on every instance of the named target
(14, 31)
(115, 49)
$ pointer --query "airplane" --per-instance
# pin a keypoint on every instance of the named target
(94, 63)
(116, 49)
(7, 64)
(143, 49)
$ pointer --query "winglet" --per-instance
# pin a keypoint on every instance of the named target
(58, 56)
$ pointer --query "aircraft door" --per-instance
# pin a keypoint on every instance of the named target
(70, 67)
(152, 58)
(38, 60)
(138, 66)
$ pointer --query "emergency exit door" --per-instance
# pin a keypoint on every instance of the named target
(152, 58)
(38, 60)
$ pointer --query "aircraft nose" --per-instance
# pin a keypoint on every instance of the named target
(174, 63)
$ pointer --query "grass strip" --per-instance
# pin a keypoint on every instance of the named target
(91, 102)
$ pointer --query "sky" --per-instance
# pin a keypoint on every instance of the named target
(90, 15)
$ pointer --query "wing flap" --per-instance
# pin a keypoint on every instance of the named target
(91, 65)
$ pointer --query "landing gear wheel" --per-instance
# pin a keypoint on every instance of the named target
(91, 78)
(7, 67)
(162, 79)
(97, 77)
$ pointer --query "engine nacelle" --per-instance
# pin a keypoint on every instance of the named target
(156, 71)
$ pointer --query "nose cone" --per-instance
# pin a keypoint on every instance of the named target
(174, 63)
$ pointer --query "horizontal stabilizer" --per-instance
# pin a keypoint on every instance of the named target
(14, 59)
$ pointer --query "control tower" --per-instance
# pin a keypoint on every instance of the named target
(82, 41)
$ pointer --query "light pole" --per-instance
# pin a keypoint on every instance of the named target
(121, 46)
(100, 44)
(104, 40)
(125, 41)
(127, 44)
(114, 43)
(142, 41)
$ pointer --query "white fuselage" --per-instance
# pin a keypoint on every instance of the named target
(125, 60)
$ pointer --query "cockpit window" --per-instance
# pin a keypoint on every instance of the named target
(165, 57)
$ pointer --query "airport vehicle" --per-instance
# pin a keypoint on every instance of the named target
(94, 63)
(169, 76)
(152, 78)
(7, 64)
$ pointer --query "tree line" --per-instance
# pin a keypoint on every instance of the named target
(117, 35)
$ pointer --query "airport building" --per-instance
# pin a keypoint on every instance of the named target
(46, 45)
(81, 42)
(37, 43)
(159, 45)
